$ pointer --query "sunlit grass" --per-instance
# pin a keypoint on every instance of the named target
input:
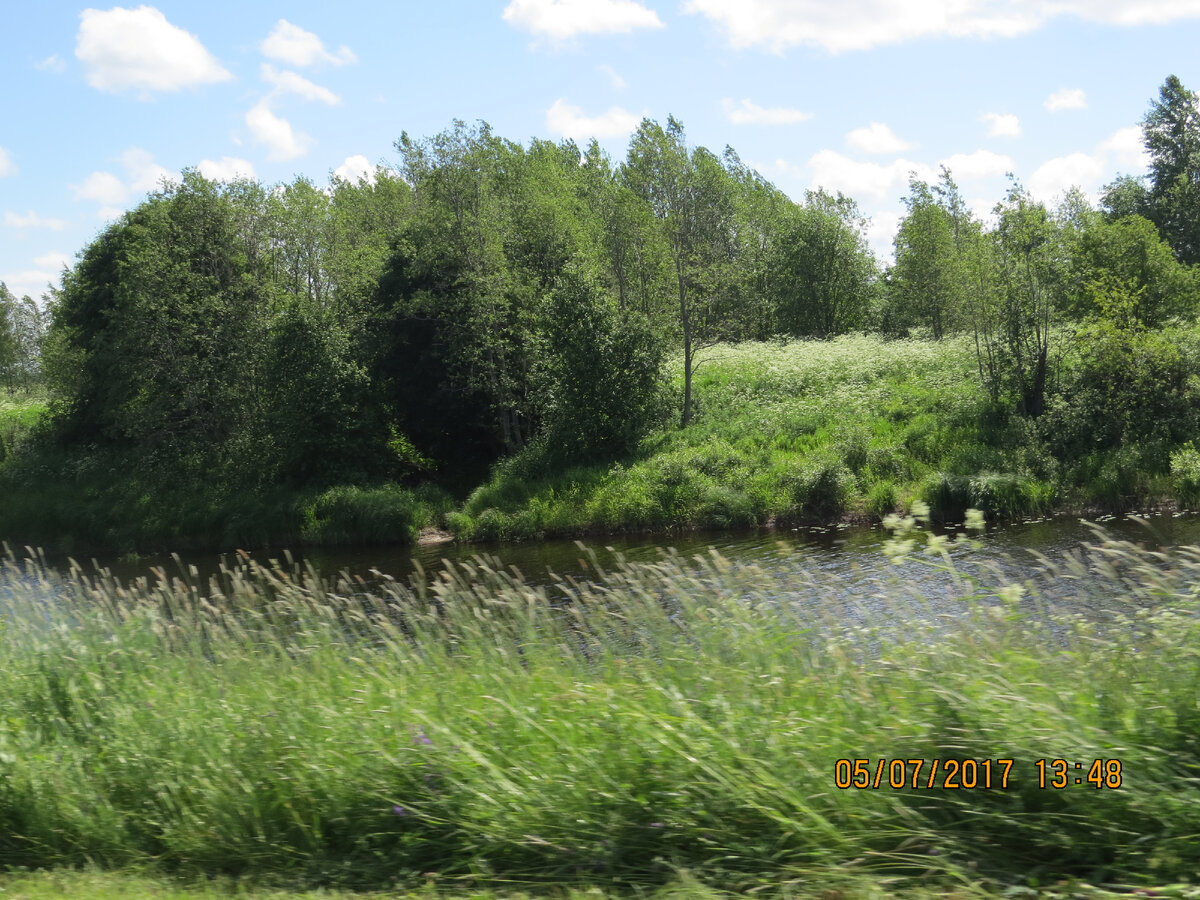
(664, 719)
(815, 431)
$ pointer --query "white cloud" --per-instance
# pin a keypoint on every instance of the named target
(1128, 148)
(32, 282)
(569, 121)
(50, 64)
(293, 45)
(980, 164)
(356, 168)
(32, 220)
(276, 132)
(1002, 124)
(1054, 176)
(138, 48)
(7, 166)
(881, 230)
(861, 24)
(143, 173)
(615, 80)
(563, 19)
(102, 187)
(872, 181)
(750, 113)
(291, 83)
(1067, 98)
(876, 181)
(876, 138)
(227, 168)
(52, 260)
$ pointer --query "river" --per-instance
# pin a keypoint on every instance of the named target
(840, 570)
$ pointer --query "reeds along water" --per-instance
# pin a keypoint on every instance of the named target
(617, 730)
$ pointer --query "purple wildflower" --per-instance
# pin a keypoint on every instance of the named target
(399, 811)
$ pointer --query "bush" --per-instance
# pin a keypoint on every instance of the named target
(1185, 475)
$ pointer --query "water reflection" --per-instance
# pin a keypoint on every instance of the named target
(840, 570)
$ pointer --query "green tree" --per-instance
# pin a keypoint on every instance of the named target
(1171, 130)
(926, 282)
(691, 195)
(1016, 318)
(602, 373)
(823, 275)
(1130, 252)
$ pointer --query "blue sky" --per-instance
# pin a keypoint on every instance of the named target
(100, 103)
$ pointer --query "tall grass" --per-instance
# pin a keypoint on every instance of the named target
(857, 427)
(475, 728)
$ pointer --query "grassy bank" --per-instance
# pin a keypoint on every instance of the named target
(813, 431)
(668, 718)
(97, 501)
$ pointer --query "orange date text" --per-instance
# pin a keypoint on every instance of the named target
(922, 774)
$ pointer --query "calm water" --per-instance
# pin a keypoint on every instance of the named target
(834, 569)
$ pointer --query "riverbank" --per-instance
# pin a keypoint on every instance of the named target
(664, 718)
(809, 432)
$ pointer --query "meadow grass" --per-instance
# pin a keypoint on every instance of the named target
(856, 427)
(475, 730)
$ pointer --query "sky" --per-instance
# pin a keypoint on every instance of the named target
(100, 104)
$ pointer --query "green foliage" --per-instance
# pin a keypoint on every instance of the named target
(603, 371)
(660, 718)
(1130, 255)
(1185, 473)
(1171, 132)
(822, 273)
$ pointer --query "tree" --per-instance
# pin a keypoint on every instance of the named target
(602, 374)
(1015, 317)
(822, 273)
(1171, 131)
(926, 283)
(690, 194)
(1130, 252)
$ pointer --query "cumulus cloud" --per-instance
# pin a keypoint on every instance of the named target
(980, 164)
(1089, 171)
(1054, 176)
(1002, 124)
(293, 45)
(1067, 98)
(138, 48)
(864, 180)
(564, 19)
(1128, 148)
(33, 281)
(750, 113)
(569, 121)
(876, 138)
(356, 168)
(283, 142)
(102, 187)
(291, 83)
(227, 168)
(32, 219)
(53, 260)
(142, 172)
(860, 24)
(873, 181)
(7, 166)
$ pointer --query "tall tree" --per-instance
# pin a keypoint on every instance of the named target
(691, 196)
(1171, 130)
(823, 273)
